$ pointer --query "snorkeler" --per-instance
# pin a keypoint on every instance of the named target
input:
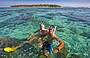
(45, 39)
(42, 33)
(47, 45)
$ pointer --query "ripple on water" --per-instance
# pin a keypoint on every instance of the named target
(72, 25)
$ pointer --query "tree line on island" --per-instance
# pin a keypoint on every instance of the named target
(40, 5)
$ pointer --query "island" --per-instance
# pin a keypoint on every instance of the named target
(40, 5)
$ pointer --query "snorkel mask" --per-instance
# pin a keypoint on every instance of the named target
(52, 27)
(41, 23)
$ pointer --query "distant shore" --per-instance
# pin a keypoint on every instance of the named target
(41, 5)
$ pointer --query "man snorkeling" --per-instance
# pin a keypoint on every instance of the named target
(47, 45)
(46, 38)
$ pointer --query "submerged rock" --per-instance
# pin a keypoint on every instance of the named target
(85, 34)
(60, 26)
(48, 17)
(75, 56)
(60, 30)
(27, 51)
(7, 42)
(51, 14)
(74, 30)
(61, 54)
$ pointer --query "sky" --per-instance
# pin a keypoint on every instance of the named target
(64, 3)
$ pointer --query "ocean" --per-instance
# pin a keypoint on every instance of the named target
(72, 27)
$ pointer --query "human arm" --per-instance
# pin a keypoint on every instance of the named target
(60, 46)
(33, 34)
(29, 39)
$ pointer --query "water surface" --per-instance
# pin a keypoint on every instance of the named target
(73, 27)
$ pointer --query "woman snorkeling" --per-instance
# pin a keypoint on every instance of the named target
(42, 33)
(47, 45)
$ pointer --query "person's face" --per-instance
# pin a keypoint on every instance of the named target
(51, 30)
(42, 26)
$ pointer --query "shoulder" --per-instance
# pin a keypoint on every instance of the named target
(47, 30)
(55, 36)
(38, 30)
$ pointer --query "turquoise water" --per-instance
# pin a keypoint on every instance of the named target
(73, 27)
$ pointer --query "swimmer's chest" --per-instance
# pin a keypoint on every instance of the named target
(49, 39)
(42, 32)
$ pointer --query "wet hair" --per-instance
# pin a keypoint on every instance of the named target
(53, 27)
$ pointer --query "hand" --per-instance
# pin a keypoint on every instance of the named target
(14, 48)
(29, 37)
(55, 51)
(46, 52)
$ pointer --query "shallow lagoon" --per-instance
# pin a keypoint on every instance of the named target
(73, 27)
